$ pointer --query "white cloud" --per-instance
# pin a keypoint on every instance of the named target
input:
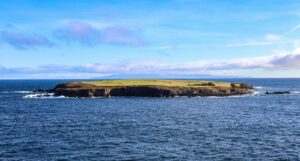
(272, 37)
(285, 60)
(85, 33)
(23, 41)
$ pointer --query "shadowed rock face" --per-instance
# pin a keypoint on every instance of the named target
(77, 89)
(279, 92)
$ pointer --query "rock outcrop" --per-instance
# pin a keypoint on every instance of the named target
(278, 92)
(78, 89)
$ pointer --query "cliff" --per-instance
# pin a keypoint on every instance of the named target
(149, 88)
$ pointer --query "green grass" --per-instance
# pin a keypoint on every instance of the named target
(156, 82)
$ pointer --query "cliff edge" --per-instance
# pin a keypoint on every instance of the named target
(150, 88)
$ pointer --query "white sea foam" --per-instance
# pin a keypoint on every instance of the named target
(258, 87)
(42, 95)
(295, 92)
(256, 93)
(21, 92)
(240, 96)
(214, 97)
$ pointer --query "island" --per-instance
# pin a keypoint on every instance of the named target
(149, 88)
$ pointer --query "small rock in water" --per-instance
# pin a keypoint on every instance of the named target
(278, 92)
(39, 90)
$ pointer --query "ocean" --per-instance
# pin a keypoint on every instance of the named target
(250, 127)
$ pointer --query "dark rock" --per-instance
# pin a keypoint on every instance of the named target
(244, 85)
(147, 91)
(278, 92)
(44, 90)
(40, 90)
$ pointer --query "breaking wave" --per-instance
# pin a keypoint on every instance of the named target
(42, 95)
(21, 92)
(295, 92)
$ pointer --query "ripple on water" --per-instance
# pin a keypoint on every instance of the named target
(201, 128)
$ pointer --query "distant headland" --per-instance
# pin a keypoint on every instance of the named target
(149, 88)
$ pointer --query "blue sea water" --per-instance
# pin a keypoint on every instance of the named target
(252, 127)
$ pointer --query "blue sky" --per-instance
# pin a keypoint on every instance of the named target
(170, 38)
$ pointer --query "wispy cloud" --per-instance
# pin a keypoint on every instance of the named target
(2, 69)
(121, 36)
(78, 32)
(86, 34)
(228, 45)
(23, 41)
(295, 28)
(279, 61)
(272, 37)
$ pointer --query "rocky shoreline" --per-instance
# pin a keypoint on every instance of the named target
(82, 90)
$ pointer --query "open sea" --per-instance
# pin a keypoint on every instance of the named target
(250, 127)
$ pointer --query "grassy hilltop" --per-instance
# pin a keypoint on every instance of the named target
(157, 82)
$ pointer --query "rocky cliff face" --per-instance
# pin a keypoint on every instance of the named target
(82, 90)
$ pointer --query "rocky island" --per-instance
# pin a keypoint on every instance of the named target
(149, 88)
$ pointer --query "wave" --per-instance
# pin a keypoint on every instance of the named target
(295, 92)
(20, 92)
(213, 96)
(23, 92)
(253, 93)
(258, 87)
(257, 93)
(43, 95)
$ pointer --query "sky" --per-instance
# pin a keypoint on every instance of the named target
(84, 39)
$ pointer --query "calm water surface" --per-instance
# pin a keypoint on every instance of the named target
(257, 127)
